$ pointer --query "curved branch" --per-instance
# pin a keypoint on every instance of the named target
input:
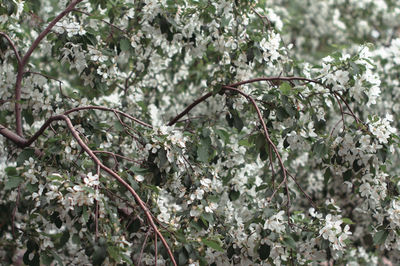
(43, 34)
(24, 143)
(190, 107)
(233, 85)
(25, 59)
(274, 79)
(267, 137)
(13, 47)
(93, 107)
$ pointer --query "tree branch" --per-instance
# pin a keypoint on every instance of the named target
(274, 79)
(190, 107)
(25, 59)
(108, 23)
(92, 107)
(24, 143)
(13, 47)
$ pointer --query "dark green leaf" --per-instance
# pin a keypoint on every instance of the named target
(162, 157)
(281, 114)
(289, 242)
(64, 238)
(27, 114)
(264, 251)
(237, 122)
(114, 253)
(138, 170)
(203, 150)
(327, 176)
(125, 45)
(25, 155)
(13, 182)
(380, 237)
(319, 149)
(234, 195)
(212, 244)
(46, 259)
(11, 171)
(99, 255)
(347, 175)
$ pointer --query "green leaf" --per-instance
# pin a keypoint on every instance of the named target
(234, 195)
(85, 214)
(57, 258)
(162, 157)
(347, 175)
(114, 253)
(27, 114)
(125, 45)
(319, 149)
(237, 122)
(25, 155)
(264, 251)
(281, 114)
(327, 176)
(13, 182)
(76, 239)
(223, 135)
(91, 38)
(380, 237)
(99, 255)
(46, 259)
(234, 120)
(208, 217)
(285, 88)
(203, 150)
(64, 238)
(35, 260)
(10, 6)
(138, 170)
(55, 218)
(217, 89)
(289, 242)
(212, 244)
(11, 171)
(118, 127)
(347, 221)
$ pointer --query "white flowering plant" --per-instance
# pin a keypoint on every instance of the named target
(199, 132)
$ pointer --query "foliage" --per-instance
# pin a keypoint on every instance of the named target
(199, 132)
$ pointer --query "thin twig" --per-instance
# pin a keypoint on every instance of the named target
(105, 21)
(262, 18)
(302, 190)
(142, 249)
(341, 111)
(92, 107)
(272, 166)
(119, 156)
(12, 46)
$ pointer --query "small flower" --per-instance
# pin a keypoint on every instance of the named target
(91, 180)
(139, 178)
(342, 77)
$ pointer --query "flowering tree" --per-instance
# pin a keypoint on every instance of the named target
(199, 132)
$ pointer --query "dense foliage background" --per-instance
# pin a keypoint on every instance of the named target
(199, 132)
